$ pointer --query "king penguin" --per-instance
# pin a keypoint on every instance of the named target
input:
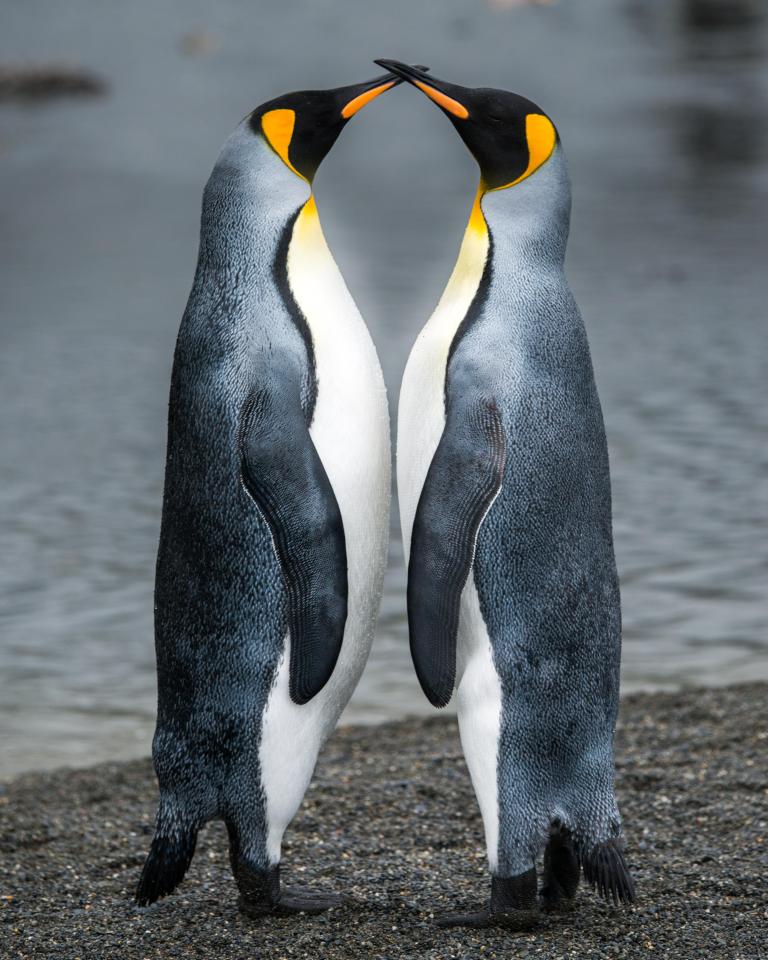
(275, 511)
(505, 502)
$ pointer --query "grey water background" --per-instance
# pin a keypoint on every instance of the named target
(662, 109)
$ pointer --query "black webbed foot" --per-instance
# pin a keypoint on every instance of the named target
(301, 900)
(261, 895)
(512, 906)
(561, 872)
(519, 920)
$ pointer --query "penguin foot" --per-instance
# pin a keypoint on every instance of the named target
(561, 872)
(513, 906)
(516, 920)
(553, 902)
(299, 900)
(261, 895)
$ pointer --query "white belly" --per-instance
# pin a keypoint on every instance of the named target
(350, 430)
(420, 425)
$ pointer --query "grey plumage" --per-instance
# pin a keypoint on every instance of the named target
(544, 564)
(514, 517)
(252, 570)
(220, 602)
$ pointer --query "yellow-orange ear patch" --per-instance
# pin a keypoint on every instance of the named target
(447, 103)
(351, 108)
(278, 129)
(541, 136)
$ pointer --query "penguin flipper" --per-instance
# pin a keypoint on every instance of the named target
(462, 482)
(283, 473)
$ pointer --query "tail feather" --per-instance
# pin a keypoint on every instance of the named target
(168, 860)
(605, 870)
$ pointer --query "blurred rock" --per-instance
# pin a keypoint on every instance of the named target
(49, 80)
(712, 14)
(508, 4)
(199, 43)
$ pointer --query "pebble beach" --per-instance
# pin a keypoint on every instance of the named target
(391, 822)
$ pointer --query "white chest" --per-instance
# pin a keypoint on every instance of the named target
(421, 410)
(350, 431)
(350, 428)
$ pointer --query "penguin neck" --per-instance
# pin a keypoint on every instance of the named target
(308, 237)
(528, 223)
(468, 271)
(248, 202)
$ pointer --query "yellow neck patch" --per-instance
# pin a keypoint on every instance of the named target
(477, 222)
(474, 250)
(278, 129)
(541, 137)
(309, 211)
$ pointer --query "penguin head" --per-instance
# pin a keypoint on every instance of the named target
(508, 135)
(302, 127)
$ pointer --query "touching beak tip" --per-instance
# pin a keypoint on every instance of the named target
(403, 70)
(436, 90)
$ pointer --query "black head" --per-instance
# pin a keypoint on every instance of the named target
(508, 135)
(302, 127)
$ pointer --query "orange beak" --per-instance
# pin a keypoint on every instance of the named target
(436, 90)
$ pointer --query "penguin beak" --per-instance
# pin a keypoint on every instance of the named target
(508, 135)
(358, 95)
(448, 96)
(302, 127)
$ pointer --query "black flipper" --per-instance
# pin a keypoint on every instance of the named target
(284, 475)
(462, 482)
(605, 870)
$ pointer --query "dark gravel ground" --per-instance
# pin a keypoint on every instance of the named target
(391, 820)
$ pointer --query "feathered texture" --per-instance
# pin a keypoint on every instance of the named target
(605, 870)
(222, 609)
(561, 867)
(168, 860)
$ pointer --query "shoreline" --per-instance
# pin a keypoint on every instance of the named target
(374, 719)
(391, 821)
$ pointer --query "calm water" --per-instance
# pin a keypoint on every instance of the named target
(663, 116)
